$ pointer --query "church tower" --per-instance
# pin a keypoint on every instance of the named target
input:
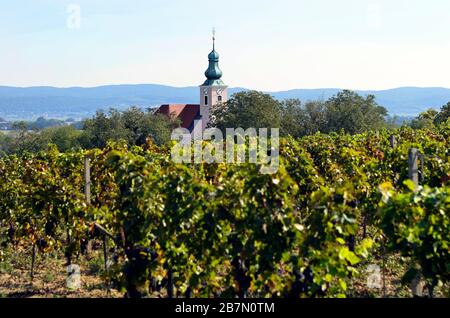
(213, 91)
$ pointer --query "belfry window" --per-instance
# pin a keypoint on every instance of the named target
(206, 100)
(219, 98)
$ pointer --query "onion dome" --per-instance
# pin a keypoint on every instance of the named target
(213, 73)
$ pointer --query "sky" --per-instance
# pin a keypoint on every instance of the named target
(263, 44)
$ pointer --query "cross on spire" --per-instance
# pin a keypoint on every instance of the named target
(214, 38)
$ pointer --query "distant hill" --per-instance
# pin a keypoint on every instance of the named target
(78, 102)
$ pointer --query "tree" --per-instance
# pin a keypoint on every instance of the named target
(443, 115)
(347, 110)
(102, 128)
(424, 120)
(5, 144)
(143, 125)
(300, 120)
(245, 110)
(65, 138)
(42, 123)
(292, 118)
(159, 128)
(353, 113)
(393, 122)
(133, 125)
(21, 126)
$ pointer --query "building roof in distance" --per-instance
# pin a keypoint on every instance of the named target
(186, 113)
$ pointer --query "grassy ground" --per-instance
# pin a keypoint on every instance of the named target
(387, 279)
(50, 277)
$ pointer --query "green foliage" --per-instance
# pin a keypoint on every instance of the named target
(328, 249)
(133, 125)
(250, 109)
(42, 123)
(226, 230)
(65, 138)
(443, 115)
(259, 213)
(346, 111)
(424, 120)
(431, 118)
(44, 206)
(302, 120)
(417, 223)
(353, 113)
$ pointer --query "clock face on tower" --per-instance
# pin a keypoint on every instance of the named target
(219, 91)
(205, 91)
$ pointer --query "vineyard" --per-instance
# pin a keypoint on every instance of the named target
(338, 204)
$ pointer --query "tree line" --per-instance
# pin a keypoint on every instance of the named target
(431, 118)
(347, 111)
(133, 125)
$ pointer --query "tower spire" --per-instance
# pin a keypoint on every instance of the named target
(213, 73)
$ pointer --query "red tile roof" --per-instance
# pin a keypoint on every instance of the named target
(187, 113)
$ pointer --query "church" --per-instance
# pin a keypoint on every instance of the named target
(212, 92)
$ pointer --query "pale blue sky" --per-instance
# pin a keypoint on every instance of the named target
(264, 44)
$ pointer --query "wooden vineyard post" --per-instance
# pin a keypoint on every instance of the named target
(105, 252)
(170, 284)
(87, 194)
(422, 167)
(105, 235)
(393, 141)
(33, 259)
(68, 251)
(383, 273)
(418, 284)
(87, 179)
(105, 256)
(413, 165)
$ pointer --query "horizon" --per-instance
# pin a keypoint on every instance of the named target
(358, 45)
(231, 87)
(81, 102)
